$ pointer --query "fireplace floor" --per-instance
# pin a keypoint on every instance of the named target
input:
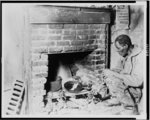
(83, 106)
(80, 104)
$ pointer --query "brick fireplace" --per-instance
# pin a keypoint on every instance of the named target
(77, 35)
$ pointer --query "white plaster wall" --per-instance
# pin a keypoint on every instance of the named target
(12, 48)
(12, 38)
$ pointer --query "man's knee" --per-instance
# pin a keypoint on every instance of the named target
(115, 85)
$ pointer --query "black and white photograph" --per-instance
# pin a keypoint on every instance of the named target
(74, 60)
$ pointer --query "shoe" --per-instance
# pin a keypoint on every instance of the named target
(134, 109)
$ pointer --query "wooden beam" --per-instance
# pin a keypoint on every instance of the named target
(48, 14)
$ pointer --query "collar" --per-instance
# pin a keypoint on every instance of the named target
(135, 51)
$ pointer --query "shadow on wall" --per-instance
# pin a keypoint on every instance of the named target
(137, 25)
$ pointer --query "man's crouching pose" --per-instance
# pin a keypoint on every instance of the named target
(126, 81)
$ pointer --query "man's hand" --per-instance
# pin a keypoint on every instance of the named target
(116, 70)
(108, 73)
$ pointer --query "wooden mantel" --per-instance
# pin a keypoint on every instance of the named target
(72, 15)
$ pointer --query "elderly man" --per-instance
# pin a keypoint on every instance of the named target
(125, 82)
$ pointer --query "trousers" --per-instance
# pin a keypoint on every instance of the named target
(123, 93)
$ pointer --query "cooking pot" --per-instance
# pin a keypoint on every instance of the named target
(56, 85)
(73, 86)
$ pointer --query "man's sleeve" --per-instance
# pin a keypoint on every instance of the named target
(133, 80)
(136, 76)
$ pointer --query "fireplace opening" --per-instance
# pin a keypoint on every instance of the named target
(72, 78)
(62, 67)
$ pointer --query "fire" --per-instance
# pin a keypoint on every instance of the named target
(64, 72)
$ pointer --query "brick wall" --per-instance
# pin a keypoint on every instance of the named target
(62, 38)
(50, 39)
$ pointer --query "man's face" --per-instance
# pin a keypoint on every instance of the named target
(122, 50)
